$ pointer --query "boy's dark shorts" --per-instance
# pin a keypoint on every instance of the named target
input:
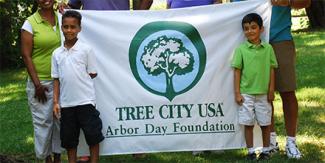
(84, 117)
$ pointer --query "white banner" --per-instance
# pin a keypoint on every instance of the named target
(164, 77)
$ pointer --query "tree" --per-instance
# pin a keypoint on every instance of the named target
(12, 15)
(316, 14)
(168, 56)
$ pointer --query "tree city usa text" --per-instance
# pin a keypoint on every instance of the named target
(168, 112)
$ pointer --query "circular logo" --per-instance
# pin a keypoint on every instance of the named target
(167, 58)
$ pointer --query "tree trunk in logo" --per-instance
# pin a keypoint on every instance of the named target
(170, 92)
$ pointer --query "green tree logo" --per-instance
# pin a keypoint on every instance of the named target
(169, 56)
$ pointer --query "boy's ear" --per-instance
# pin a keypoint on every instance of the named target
(262, 29)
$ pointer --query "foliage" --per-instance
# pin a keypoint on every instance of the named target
(298, 12)
(12, 15)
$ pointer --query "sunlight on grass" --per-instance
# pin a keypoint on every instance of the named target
(311, 97)
(30, 140)
(316, 43)
(11, 92)
(309, 146)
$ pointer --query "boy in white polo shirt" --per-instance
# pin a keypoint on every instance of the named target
(254, 62)
(73, 70)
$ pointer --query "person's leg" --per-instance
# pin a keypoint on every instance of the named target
(57, 157)
(263, 111)
(274, 147)
(56, 141)
(266, 136)
(266, 143)
(286, 85)
(249, 143)
(272, 128)
(72, 155)
(249, 136)
(48, 159)
(246, 117)
(91, 124)
(70, 131)
(42, 115)
(94, 153)
(290, 111)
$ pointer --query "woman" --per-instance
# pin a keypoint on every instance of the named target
(40, 36)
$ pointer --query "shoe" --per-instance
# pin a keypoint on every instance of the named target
(251, 157)
(274, 148)
(264, 156)
(196, 153)
(292, 150)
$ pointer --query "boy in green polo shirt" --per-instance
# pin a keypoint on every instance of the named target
(254, 62)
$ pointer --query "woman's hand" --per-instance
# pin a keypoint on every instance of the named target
(40, 93)
(63, 6)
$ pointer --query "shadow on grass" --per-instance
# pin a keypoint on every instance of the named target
(312, 152)
(309, 122)
(310, 59)
(315, 152)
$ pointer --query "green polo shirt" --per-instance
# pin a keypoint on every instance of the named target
(255, 62)
(45, 41)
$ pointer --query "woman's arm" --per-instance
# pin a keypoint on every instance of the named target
(26, 52)
(145, 5)
(296, 4)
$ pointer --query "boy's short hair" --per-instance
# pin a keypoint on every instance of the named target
(72, 14)
(252, 17)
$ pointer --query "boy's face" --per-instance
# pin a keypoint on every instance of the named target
(70, 28)
(253, 32)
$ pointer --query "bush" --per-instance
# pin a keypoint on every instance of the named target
(12, 15)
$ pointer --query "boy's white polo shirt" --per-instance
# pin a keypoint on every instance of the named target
(72, 67)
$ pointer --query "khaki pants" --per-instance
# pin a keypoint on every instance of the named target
(46, 128)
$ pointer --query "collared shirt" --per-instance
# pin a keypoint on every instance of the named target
(188, 3)
(45, 41)
(72, 67)
(255, 62)
(101, 4)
